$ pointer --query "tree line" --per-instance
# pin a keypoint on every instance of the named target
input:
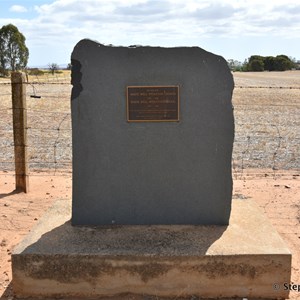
(258, 63)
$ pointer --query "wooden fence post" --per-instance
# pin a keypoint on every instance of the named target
(20, 134)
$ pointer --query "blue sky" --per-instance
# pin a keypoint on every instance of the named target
(235, 29)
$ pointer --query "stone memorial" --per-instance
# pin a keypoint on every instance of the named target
(152, 142)
(153, 134)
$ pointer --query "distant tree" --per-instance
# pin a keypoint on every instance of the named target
(53, 67)
(256, 57)
(256, 65)
(270, 63)
(13, 51)
(283, 63)
(234, 65)
(245, 65)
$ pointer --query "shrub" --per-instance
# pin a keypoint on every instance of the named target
(35, 71)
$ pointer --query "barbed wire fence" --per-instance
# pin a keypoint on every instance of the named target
(48, 127)
(267, 132)
(266, 135)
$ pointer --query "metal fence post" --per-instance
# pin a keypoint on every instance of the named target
(19, 127)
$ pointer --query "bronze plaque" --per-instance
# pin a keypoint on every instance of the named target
(152, 103)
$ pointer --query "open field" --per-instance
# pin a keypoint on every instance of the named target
(266, 160)
(266, 118)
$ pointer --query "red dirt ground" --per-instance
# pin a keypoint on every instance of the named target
(278, 197)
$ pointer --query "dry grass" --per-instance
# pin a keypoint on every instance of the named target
(267, 120)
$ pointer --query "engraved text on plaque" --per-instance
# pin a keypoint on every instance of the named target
(152, 103)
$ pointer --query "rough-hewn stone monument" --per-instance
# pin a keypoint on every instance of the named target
(152, 135)
(152, 141)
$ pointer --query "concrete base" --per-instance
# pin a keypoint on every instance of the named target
(245, 259)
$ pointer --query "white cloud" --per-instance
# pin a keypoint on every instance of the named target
(236, 17)
(58, 25)
(18, 9)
